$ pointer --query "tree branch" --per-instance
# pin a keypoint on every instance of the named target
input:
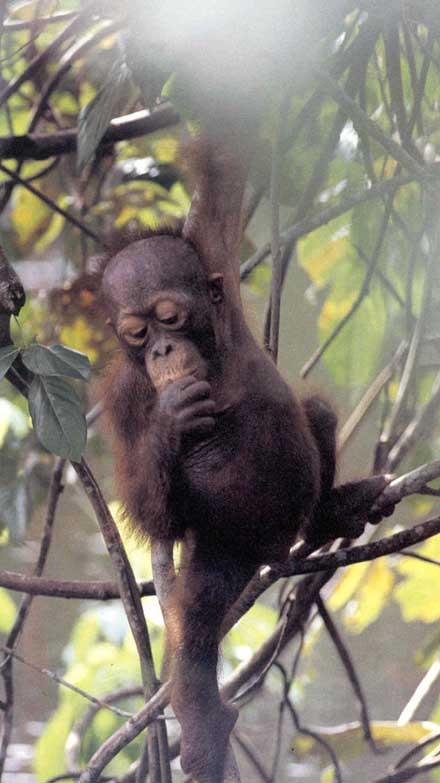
(313, 222)
(44, 57)
(133, 609)
(75, 589)
(349, 667)
(40, 146)
(362, 121)
(363, 292)
(53, 205)
(23, 611)
(101, 704)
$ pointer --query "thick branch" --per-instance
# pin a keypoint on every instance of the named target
(55, 588)
(133, 609)
(38, 146)
(361, 554)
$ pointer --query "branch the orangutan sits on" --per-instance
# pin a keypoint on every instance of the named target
(211, 445)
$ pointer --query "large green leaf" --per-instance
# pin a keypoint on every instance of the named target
(57, 360)
(110, 101)
(8, 354)
(57, 417)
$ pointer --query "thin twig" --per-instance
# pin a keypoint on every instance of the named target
(43, 57)
(364, 122)
(363, 292)
(277, 274)
(349, 668)
(11, 26)
(52, 205)
(420, 693)
(311, 223)
(74, 52)
(309, 732)
(251, 756)
(388, 436)
(80, 727)
(369, 397)
(9, 651)
(149, 711)
(424, 767)
(416, 430)
(133, 608)
(434, 737)
(422, 558)
(55, 491)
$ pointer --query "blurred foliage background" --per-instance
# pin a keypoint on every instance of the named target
(360, 316)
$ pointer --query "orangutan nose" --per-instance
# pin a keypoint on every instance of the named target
(161, 348)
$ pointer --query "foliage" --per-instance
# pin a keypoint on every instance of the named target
(364, 282)
(54, 406)
(57, 419)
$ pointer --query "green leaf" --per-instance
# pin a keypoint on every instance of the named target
(49, 751)
(57, 416)
(110, 101)
(249, 633)
(8, 354)
(57, 360)
(354, 354)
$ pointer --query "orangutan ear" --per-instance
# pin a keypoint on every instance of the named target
(96, 264)
(215, 287)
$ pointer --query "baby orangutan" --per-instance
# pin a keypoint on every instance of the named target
(211, 442)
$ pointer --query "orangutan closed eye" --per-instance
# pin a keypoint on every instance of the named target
(210, 439)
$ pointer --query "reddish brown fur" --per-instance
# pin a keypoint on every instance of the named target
(240, 463)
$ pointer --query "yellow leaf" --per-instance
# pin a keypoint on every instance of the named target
(29, 215)
(320, 264)
(126, 214)
(165, 149)
(333, 311)
(26, 10)
(419, 593)
(108, 43)
(52, 233)
(348, 740)
(81, 336)
(371, 597)
(393, 388)
(148, 217)
(347, 585)
(385, 171)
(8, 612)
